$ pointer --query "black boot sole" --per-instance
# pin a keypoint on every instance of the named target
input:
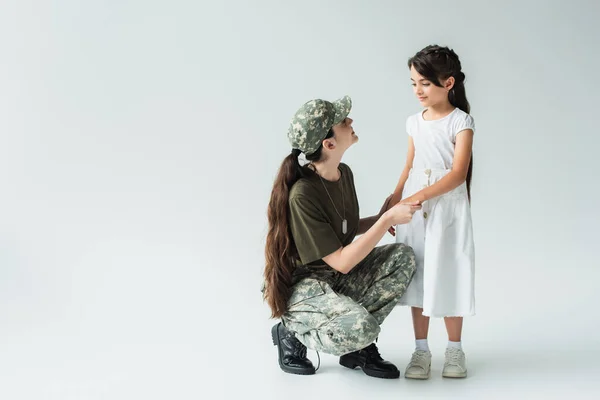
(352, 364)
(285, 368)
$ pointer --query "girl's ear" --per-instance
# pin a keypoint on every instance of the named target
(449, 84)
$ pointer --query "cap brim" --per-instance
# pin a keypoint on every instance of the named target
(342, 109)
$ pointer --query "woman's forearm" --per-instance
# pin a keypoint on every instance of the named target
(346, 258)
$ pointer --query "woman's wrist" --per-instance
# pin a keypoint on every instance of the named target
(385, 220)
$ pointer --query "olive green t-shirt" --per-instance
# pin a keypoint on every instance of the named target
(316, 226)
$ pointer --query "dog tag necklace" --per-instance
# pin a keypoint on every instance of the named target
(344, 221)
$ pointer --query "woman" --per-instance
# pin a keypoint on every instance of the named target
(331, 292)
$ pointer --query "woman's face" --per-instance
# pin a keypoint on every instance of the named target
(344, 134)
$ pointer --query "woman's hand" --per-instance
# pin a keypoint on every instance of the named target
(401, 213)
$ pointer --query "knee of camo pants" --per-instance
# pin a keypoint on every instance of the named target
(351, 332)
(401, 262)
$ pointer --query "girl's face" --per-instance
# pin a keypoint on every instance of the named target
(427, 93)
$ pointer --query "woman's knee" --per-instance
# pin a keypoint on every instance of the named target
(352, 333)
(401, 261)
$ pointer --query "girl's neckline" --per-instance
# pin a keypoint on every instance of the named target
(438, 119)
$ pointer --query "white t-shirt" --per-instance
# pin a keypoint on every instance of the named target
(434, 140)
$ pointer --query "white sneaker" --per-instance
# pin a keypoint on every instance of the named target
(455, 365)
(419, 366)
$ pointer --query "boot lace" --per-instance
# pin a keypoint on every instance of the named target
(300, 351)
(373, 352)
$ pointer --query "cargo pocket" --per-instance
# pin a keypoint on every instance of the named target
(305, 290)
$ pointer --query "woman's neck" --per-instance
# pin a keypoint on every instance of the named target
(328, 169)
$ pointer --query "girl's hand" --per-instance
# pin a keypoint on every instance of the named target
(410, 200)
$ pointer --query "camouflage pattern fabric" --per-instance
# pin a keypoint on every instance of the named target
(312, 122)
(346, 317)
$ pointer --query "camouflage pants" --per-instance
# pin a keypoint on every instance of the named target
(346, 317)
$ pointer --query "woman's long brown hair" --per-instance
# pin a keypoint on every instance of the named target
(280, 250)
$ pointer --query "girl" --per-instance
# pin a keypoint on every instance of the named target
(437, 174)
(331, 292)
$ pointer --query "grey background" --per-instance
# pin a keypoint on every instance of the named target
(138, 145)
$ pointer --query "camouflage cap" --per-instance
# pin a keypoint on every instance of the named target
(312, 122)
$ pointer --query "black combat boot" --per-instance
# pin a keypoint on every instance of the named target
(370, 361)
(292, 353)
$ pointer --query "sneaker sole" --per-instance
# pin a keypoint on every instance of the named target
(418, 376)
(285, 368)
(454, 375)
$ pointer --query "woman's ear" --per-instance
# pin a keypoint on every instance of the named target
(329, 144)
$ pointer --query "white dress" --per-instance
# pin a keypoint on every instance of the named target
(441, 234)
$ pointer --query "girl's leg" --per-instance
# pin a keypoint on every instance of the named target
(455, 364)
(419, 366)
(454, 328)
(420, 323)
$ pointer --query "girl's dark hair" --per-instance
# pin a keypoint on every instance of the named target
(280, 250)
(436, 63)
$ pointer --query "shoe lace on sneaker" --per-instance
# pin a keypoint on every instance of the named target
(418, 357)
(453, 356)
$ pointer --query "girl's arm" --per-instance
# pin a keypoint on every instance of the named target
(454, 178)
(410, 155)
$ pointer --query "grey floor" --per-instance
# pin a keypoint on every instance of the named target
(143, 358)
(498, 369)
